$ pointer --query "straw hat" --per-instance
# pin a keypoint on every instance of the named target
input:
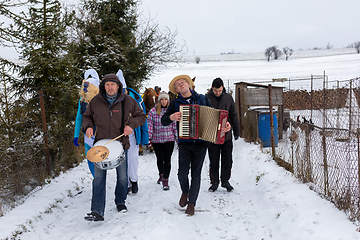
(185, 77)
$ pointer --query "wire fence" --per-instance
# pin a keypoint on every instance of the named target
(328, 160)
(34, 141)
(321, 143)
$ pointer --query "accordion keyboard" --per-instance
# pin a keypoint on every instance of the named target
(184, 124)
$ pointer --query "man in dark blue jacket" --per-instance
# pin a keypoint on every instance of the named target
(191, 151)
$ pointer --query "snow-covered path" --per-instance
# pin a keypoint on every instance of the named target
(267, 203)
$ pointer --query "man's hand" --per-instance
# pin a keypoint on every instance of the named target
(226, 128)
(89, 132)
(175, 116)
(127, 130)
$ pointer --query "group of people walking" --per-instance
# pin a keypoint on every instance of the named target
(114, 111)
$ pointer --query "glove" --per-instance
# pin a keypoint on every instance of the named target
(76, 141)
(236, 137)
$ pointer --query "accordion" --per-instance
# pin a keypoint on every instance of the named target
(202, 122)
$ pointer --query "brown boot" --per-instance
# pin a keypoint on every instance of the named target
(183, 200)
(165, 183)
(190, 210)
(141, 152)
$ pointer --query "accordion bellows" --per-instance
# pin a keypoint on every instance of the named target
(202, 122)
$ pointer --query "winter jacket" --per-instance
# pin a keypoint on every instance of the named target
(226, 102)
(195, 98)
(157, 132)
(79, 118)
(108, 120)
(141, 133)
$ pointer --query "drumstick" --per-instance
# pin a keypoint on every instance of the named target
(114, 139)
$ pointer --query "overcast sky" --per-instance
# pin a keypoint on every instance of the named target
(217, 26)
(221, 26)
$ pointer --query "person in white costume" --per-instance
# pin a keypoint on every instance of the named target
(139, 136)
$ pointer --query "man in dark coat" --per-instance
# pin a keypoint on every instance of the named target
(222, 100)
(114, 113)
(191, 151)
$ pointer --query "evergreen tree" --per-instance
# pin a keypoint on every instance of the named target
(47, 66)
(110, 38)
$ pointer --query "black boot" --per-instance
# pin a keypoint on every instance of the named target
(93, 216)
(121, 208)
(213, 187)
(227, 185)
(134, 187)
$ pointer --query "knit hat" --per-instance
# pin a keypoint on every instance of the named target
(112, 78)
(164, 94)
(94, 79)
(185, 77)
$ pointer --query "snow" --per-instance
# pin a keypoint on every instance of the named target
(267, 203)
(302, 65)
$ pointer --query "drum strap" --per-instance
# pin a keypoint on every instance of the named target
(122, 116)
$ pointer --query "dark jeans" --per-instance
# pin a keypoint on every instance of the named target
(99, 187)
(191, 155)
(163, 152)
(225, 151)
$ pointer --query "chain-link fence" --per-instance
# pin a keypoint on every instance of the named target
(321, 144)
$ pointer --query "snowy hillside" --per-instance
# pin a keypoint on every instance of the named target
(261, 55)
(337, 67)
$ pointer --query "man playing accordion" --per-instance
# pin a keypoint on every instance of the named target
(191, 151)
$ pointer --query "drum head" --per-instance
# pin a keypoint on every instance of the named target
(97, 153)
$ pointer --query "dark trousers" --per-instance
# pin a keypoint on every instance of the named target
(191, 156)
(225, 152)
(163, 152)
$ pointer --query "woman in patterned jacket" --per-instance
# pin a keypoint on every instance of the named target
(162, 138)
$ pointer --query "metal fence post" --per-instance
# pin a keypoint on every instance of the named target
(326, 176)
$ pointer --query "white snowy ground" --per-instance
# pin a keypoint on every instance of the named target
(267, 203)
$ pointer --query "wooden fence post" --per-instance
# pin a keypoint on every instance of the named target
(43, 119)
(271, 122)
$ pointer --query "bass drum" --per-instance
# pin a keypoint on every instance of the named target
(116, 154)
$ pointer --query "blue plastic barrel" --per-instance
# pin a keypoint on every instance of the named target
(264, 129)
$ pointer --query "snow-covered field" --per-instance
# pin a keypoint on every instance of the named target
(267, 203)
(337, 67)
